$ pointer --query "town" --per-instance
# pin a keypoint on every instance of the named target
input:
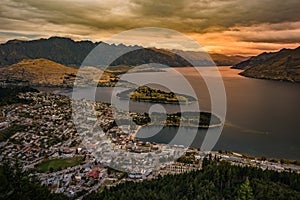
(79, 154)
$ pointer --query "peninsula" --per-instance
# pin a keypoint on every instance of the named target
(189, 119)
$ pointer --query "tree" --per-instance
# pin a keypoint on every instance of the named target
(263, 158)
(203, 185)
(245, 191)
(18, 184)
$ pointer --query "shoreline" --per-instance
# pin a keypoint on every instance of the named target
(186, 126)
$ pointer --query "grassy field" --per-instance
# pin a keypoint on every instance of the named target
(58, 164)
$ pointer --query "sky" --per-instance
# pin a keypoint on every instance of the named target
(232, 27)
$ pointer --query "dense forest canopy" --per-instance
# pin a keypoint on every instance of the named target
(217, 180)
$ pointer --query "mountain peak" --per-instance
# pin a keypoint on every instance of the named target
(14, 41)
(57, 38)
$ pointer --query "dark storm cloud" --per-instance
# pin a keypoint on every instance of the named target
(277, 38)
(188, 16)
(205, 15)
(19, 34)
(184, 15)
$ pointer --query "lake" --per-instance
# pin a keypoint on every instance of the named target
(262, 116)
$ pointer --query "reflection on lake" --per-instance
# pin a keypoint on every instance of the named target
(262, 115)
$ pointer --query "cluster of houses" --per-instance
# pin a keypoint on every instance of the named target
(240, 160)
(51, 133)
(77, 180)
(47, 128)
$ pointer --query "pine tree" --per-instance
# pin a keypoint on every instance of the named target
(245, 191)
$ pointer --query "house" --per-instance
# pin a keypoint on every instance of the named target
(94, 174)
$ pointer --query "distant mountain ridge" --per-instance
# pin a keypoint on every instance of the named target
(201, 58)
(62, 50)
(282, 65)
(72, 53)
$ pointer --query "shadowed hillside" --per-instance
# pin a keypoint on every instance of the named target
(61, 50)
(281, 65)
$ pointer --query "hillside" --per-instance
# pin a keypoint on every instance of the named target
(72, 53)
(256, 60)
(282, 65)
(43, 72)
(214, 181)
(37, 72)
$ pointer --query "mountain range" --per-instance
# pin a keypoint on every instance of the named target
(64, 54)
(282, 65)
(72, 53)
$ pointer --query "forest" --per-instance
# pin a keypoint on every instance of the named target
(217, 180)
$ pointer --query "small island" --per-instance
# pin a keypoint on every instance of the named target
(147, 94)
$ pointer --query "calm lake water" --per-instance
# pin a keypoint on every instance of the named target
(262, 115)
